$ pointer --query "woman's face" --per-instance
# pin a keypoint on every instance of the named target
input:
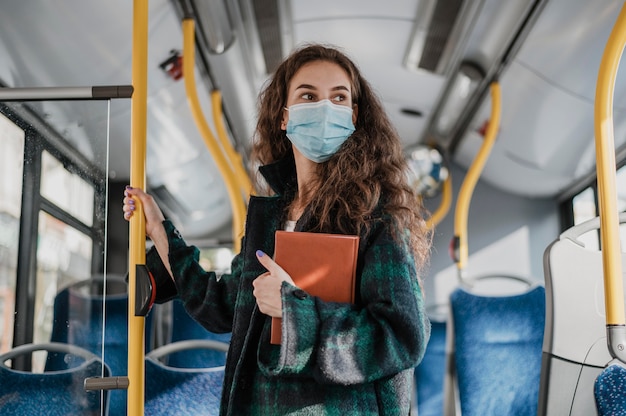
(319, 80)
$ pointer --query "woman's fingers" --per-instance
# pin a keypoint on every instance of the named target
(129, 204)
(267, 286)
(133, 197)
(272, 267)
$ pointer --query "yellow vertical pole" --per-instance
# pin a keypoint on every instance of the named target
(605, 167)
(137, 237)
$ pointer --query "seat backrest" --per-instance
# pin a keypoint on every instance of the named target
(58, 392)
(78, 320)
(78, 310)
(186, 328)
(497, 351)
(429, 374)
(190, 391)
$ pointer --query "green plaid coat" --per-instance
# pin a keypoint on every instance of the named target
(335, 359)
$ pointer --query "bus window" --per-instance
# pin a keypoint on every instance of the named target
(63, 257)
(11, 163)
(65, 189)
(585, 209)
(63, 253)
(216, 258)
(53, 186)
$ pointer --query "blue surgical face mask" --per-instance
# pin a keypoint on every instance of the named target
(319, 129)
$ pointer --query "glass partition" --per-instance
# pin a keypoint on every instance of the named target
(66, 190)
(11, 167)
(54, 286)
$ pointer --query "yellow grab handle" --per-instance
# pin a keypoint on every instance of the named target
(232, 186)
(245, 184)
(444, 206)
(467, 188)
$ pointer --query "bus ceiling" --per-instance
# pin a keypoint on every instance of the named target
(430, 61)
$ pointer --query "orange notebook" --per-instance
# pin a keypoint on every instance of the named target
(323, 265)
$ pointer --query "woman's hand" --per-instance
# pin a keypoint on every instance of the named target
(152, 212)
(154, 221)
(267, 286)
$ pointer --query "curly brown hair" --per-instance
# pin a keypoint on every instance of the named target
(368, 172)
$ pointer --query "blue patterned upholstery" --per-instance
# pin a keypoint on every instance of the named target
(78, 321)
(185, 328)
(498, 341)
(429, 374)
(610, 391)
(59, 392)
(182, 391)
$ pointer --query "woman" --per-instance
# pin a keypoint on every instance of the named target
(332, 163)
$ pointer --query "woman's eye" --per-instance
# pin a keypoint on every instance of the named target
(339, 98)
(307, 96)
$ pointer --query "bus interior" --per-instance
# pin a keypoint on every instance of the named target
(495, 103)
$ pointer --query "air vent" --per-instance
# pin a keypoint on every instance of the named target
(267, 15)
(438, 33)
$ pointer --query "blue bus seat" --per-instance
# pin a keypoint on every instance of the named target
(495, 348)
(184, 327)
(610, 389)
(575, 350)
(78, 310)
(177, 391)
(429, 374)
(59, 392)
